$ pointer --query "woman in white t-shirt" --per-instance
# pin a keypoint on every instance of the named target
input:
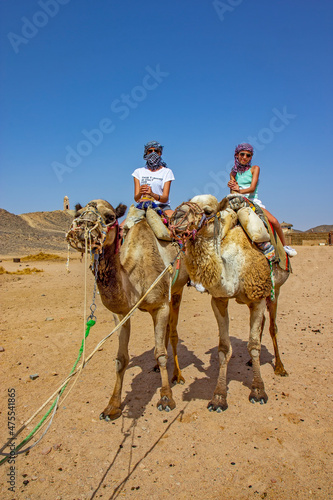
(152, 182)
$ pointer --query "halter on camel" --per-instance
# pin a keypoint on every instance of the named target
(190, 232)
(96, 234)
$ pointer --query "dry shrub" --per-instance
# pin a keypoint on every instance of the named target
(42, 256)
(27, 270)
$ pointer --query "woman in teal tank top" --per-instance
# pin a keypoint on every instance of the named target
(244, 179)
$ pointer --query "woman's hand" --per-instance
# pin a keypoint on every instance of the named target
(145, 189)
(233, 185)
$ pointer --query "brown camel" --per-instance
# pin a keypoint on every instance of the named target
(220, 255)
(123, 277)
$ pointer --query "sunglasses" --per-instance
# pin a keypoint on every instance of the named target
(153, 150)
(247, 155)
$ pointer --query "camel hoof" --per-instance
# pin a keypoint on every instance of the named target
(167, 404)
(113, 415)
(178, 380)
(218, 408)
(281, 372)
(258, 399)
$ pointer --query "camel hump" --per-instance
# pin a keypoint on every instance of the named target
(135, 215)
(253, 225)
(159, 228)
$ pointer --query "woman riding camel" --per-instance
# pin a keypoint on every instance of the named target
(244, 179)
(152, 182)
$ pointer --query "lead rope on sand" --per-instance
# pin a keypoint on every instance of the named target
(74, 371)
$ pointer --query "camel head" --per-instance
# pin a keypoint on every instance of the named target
(205, 214)
(190, 216)
(93, 222)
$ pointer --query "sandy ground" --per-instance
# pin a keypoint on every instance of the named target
(281, 450)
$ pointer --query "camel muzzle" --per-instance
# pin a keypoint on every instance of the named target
(88, 230)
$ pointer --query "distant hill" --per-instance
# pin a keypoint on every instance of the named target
(45, 231)
(34, 231)
(320, 229)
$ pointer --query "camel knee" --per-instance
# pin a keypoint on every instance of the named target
(121, 363)
(162, 360)
(253, 348)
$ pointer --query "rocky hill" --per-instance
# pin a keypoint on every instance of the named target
(34, 231)
(321, 229)
(45, 231)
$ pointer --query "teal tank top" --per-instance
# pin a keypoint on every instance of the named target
(244, 181)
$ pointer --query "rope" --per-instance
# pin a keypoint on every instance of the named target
(271, 272)
(53, 407)
(190, 231)
(75, 371)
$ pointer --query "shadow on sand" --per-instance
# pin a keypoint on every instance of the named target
(147, 382)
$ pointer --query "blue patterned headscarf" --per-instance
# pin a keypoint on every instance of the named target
(238, 168)
(153, 160)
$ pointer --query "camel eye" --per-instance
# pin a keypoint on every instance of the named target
(208, 211)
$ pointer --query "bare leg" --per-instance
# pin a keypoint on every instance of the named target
(257, 310)
(273, 220)
(273, 330)
(219, 401)
(113, 410)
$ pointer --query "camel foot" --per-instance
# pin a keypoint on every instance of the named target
(178, 379)
(110, 414)
(281, 371)
(218, 404)
(258, 396)
(166, 403)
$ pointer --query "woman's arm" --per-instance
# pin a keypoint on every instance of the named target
(255, 170)
(145, 189)
(232, 184)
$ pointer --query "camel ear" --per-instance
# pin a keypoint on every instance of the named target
(78, 207)
(120, 210)
(223, 204)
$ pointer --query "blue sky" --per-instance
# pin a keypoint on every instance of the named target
(85, 84)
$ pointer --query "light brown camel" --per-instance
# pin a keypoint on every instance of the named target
(220, 255)
(123, 277)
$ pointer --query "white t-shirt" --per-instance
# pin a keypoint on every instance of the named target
(155, 180)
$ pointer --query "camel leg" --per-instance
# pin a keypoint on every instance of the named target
(173, 335)
(257, 311)
(113, 409)
(273, 330)
(219, 401)
(249, 363)
(161, 318)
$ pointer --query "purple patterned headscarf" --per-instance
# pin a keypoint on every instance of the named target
(238, 168)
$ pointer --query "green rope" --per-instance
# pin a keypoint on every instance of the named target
(272, 280)
(90, 323)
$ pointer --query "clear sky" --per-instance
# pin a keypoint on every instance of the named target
(85, 84)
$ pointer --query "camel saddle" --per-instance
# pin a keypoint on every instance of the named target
(155, 217)
(271, 246)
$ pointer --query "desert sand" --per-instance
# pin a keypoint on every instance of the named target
(281, 450)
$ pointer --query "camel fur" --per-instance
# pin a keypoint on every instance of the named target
(122, 278)
(231, 266)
